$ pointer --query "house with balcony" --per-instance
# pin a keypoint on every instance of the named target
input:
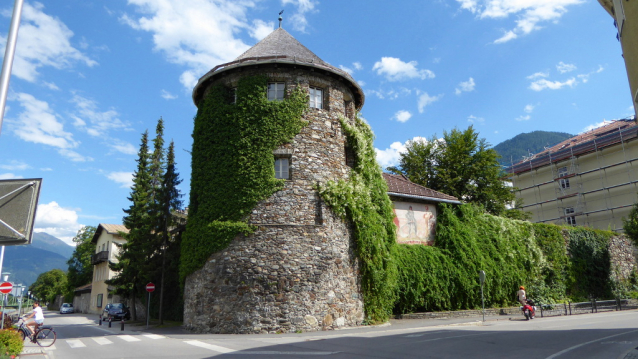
(106, 238)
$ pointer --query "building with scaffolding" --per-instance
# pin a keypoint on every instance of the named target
(587, 180)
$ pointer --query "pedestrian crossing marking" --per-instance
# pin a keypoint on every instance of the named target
(102, 341)
(128, 338)
(213, 347)
(154, 336)
(75, 343)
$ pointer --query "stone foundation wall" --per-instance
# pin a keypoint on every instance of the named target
(280, 279)
(623, 257)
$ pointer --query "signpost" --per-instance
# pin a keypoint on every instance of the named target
(150, 287)
(5, 288)
(482, 280)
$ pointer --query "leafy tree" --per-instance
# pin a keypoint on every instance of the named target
(134, 254)
(49, 285)
(80, 267)
(460, 164)
(630, 224)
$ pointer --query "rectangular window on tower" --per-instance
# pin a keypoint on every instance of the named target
(316, 98)
(276, 91)
(282, 168)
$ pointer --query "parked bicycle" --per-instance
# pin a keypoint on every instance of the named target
(44, 336)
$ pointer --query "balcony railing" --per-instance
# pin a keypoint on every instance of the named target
(100, 257)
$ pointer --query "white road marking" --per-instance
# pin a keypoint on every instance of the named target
(589, 342)
(214, 347)
(102, 341)
(128, 338)
(75, 343)
(154, 336)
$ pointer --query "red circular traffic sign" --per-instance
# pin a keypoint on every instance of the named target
(6, 287)
(149, 287)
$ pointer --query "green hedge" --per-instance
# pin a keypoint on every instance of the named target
(554, 263)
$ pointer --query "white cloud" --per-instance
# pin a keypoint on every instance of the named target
(507, 36)
(474, 119)
(4, 176)
(15, 166)
(356, 66)
(523, 118)
(57, 221)
(538, 75)
(529, 108)
(402, 116)
(40, 124)
(346, 69)
(261, 29)
(298, 19)
(467, 86)
(123, 147)
(390, 156)
(167, 95)
(390, 94)
(51, 86)
(530, 14)
(125, 179)
(94, 122)
(542, 84)
(197, 34)
(563, 67)
(584, 78)
(595, 126)
(425, 100)
(396, 70)
(43, 41)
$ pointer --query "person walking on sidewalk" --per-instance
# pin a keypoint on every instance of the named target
(521, 296)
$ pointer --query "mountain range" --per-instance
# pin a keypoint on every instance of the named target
(513, 150)
(25, 263)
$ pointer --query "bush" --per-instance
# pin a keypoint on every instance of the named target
(10, 343)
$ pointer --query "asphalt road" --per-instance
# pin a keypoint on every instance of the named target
(604, 335)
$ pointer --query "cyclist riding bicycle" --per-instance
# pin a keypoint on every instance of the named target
(39, 317)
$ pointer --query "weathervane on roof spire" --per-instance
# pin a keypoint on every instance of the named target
(280, 18)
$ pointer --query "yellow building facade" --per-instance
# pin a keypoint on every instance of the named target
(106, 238)
(625, 14)
(588, 180)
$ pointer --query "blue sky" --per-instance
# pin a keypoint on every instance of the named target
(90, 76)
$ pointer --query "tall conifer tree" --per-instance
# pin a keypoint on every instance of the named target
(133, 254)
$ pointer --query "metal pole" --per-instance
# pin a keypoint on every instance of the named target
(2, 325)
(9, 52)
(148, 309)
(1, 250)
(20, 305)
(483, 301)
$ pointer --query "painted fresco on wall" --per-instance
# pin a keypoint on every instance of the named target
(416, 222)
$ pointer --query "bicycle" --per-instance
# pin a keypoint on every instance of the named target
(44, 336)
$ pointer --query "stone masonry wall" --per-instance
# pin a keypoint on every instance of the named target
(298, 271)
(623, 257)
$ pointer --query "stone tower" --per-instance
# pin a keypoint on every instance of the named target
(298, 270)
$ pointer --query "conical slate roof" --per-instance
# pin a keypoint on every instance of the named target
(281, 43)
(278, 47)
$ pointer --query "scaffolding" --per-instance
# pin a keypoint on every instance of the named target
(569, 182)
